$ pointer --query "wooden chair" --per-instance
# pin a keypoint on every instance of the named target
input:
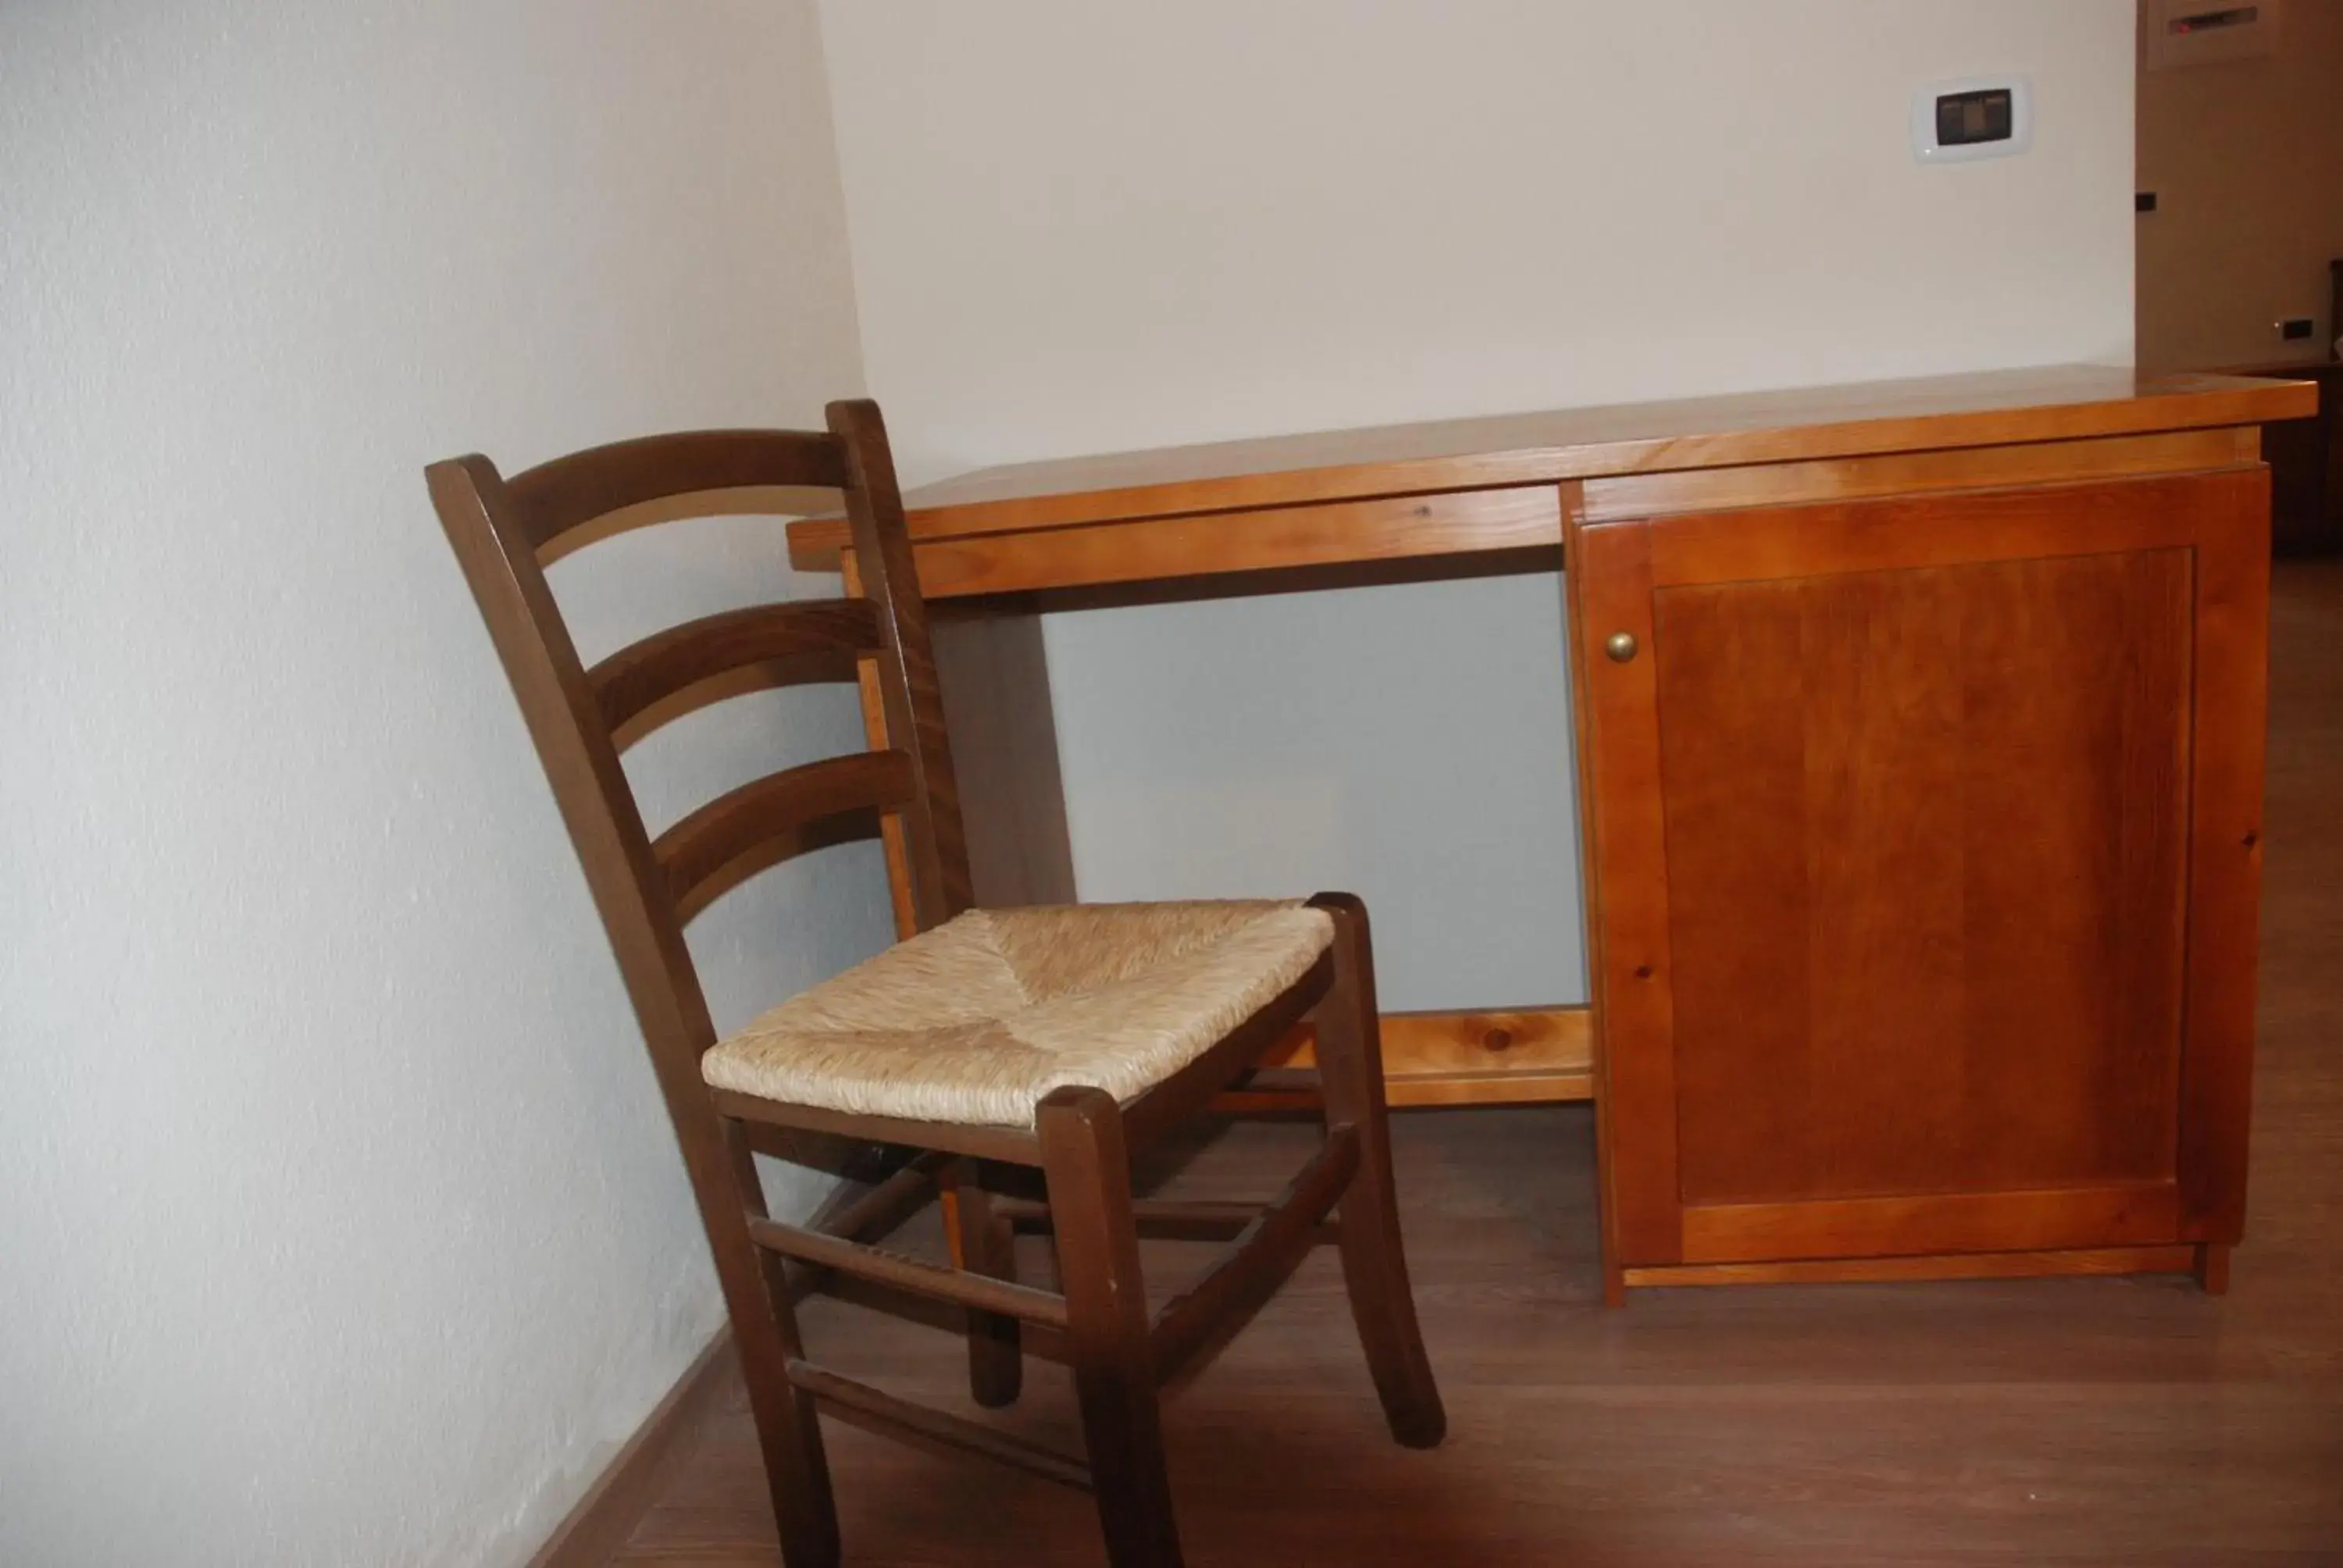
(1060, 1039)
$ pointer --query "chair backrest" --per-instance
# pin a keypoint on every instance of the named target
(505, 531)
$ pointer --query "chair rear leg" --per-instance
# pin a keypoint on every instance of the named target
(1374, 1266)
(981, 1244)
(1088, 1169)
(765, 1327)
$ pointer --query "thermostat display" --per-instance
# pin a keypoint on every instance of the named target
(1979, 117)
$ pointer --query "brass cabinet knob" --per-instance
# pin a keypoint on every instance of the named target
(1620, 646)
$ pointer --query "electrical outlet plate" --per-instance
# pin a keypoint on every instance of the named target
(1928, 149)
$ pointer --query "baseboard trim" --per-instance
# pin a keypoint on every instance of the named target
(605, 1517)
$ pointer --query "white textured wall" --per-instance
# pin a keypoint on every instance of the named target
(1082, 227)
(339, 1221)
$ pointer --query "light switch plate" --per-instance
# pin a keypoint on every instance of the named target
(1930, 145)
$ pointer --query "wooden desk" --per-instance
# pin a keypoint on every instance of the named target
(1920, 741)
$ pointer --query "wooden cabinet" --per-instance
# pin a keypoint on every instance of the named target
(1923, 834)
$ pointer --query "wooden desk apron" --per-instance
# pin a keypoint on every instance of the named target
(1920, 733)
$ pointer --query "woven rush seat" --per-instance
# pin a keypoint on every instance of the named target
(976, 1020)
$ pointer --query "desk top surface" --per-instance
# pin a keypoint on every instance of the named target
(1983, 410)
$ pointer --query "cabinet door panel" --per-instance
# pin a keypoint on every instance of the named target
(1923, 836)
(1925, 833)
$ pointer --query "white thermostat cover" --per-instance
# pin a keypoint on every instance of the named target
(1928, 150)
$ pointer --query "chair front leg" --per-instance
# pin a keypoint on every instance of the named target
(764, 1325)
(981, 1244)
(1374, 1265)
(1087, 1166)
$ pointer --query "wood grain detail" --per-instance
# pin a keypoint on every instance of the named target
(665, 676)
(2232, 676)
(996, 695)
(894, 845)
(2135, 1214)
(1925, 832)
(1521, 1056)
(1610, 589)
(2072, 1263)
(746, 830)
(1613, 498)
(1220, 543)
(1508, 1086)
(1908, 532)
(572, 491)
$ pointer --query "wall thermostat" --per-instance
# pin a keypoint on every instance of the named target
(1974, 118)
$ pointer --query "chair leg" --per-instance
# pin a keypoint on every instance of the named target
(1374, 1266)
(1088, 1169)
(981, 1244)
(765, 1327)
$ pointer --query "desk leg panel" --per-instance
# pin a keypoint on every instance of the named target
(1004, 741)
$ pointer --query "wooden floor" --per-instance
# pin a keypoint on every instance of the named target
(2131, 1422)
